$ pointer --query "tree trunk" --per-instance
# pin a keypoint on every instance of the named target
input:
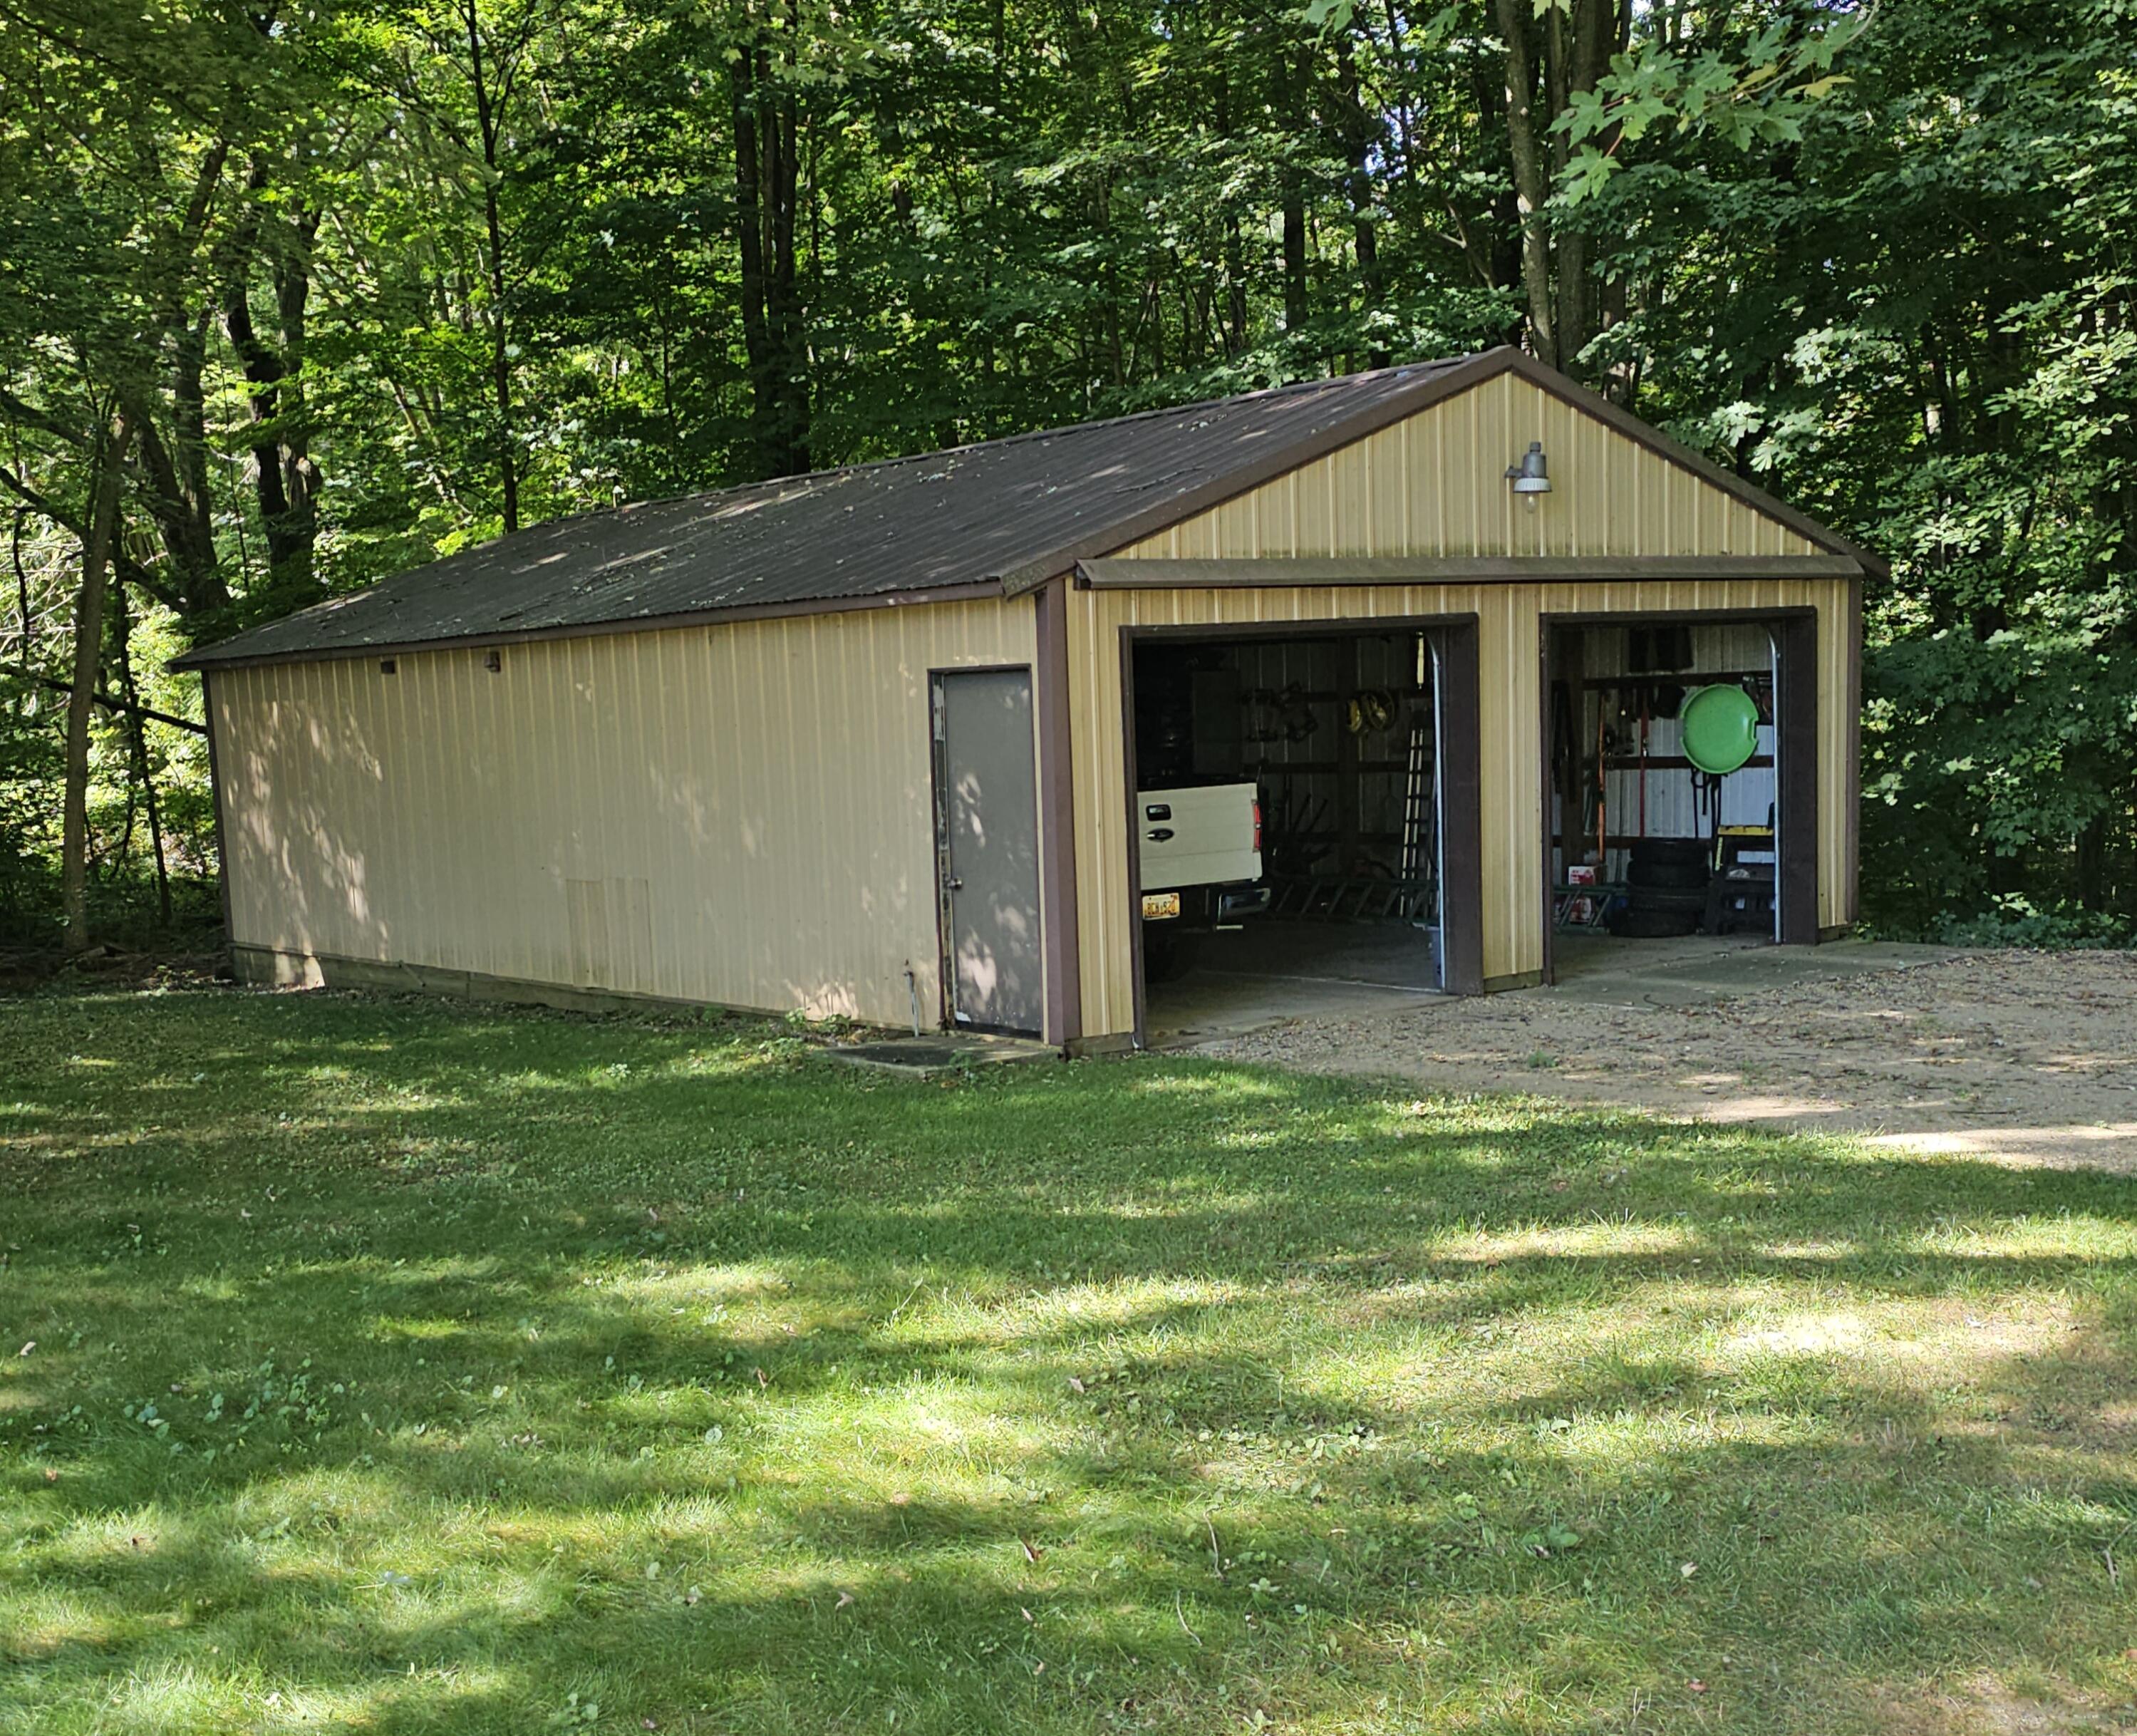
(1497, 258)
(1530, 185)
(102, 519)
(749, 238)
(500, 371)
(144, 773)
(2092, 865)
(286, 481)
(1232, 323)
(782, 302)
(1236, 288)
(1593, 32)
(1294, 68)
(182, 520)
(766, 176)
(1360, 130)
(489, 122)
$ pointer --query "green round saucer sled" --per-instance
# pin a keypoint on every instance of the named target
(1720, 728)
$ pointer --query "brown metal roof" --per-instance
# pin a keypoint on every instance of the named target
(1005, 515)
(907, 527)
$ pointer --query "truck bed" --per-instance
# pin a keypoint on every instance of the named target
(1200, 835)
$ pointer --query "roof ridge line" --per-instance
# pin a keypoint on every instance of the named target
(1451, 374)
(1024, 436)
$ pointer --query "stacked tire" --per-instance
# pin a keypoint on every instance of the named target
(1665, 889)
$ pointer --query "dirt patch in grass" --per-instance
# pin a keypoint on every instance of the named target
(2020, 1056)
(1983, 1705)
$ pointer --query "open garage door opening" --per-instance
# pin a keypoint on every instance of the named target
(1678, 796)
(1288, 837)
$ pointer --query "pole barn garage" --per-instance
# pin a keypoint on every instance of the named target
(875, 742)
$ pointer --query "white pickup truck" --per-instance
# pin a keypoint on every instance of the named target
(1200, 850)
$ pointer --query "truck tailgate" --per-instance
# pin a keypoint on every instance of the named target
(1200, 836)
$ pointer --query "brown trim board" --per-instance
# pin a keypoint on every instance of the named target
(1851, 904)
(1060, 938)
(1458, 708)
(1796, 734)
(1546, 678)
(1131, 837)
(1160, 573)
(1318, 626)
(205, 659)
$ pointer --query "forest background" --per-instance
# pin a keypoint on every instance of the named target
(296, 296)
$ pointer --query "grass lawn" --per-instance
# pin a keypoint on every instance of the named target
(398, 1365)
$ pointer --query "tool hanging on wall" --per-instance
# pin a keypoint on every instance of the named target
(1707, 804)
(1369, 712)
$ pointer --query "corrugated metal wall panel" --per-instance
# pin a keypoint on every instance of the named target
(738, 815)
(1510, 670)
(1433, 486)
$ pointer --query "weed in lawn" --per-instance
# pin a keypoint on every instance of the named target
(404, 1367)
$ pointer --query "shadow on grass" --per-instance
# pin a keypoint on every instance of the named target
(662, 1366)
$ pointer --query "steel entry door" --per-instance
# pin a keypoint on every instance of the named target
(986, 834)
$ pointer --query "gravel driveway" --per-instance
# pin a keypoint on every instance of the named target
(2027, 1057)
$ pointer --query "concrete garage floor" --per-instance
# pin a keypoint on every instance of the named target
(1700, 969)
(1268, 972)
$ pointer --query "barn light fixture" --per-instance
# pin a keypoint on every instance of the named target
(1531, 477)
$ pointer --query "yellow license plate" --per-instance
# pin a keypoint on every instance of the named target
(1156, 904)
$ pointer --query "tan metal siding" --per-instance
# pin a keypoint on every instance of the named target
(1510, 672)
(730, 814)
(1433, 485)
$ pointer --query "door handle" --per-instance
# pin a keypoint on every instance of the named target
(1158, 835)
(953, 884)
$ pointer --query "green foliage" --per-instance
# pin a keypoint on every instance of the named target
(1756, 95)
(2014, 922)
(372, 276)
(1938, 354)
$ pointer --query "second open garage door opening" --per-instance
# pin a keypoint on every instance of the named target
(1681, 800)
(1329, 744)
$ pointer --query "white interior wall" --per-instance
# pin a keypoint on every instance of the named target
(1663, 803)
